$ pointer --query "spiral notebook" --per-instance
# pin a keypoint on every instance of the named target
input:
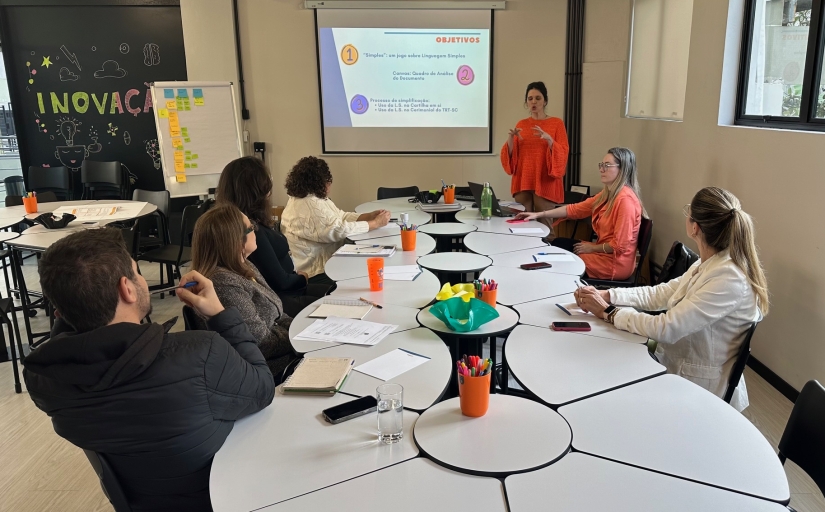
(319, 375)
(342, 308)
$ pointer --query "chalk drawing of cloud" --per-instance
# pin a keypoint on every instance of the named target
(110, 69)
(67, 76)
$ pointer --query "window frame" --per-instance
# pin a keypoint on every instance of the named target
(812, 75)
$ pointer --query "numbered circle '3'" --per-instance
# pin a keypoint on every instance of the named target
(359, 104)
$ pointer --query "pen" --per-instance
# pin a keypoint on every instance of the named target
(443, 185)
(584, 282)
(190, 284)
(564, 309)
(371, 303)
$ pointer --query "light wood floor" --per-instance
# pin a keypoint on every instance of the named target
(39, 471)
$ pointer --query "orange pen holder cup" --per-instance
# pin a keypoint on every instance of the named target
(474, 395)
(408, 240)
(30, 204)
(489, 297)
(375, 271)
(449, 195)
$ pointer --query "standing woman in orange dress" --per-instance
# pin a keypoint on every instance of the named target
(535, 155)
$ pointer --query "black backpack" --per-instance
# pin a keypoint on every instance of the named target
(679, 259)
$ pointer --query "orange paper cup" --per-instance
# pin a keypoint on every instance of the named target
(408, 240)
(489, 296)
(30, 204)
(474, 395)
(449, 195)
(375, 270)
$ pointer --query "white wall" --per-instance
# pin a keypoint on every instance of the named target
(776, 174)
(279, 59)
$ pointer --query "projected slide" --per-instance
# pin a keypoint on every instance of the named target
(404, 78)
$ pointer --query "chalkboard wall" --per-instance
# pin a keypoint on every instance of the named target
(78, 77)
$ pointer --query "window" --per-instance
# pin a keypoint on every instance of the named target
(780, 80)
(659, 50)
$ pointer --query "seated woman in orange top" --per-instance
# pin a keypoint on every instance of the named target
(536, 155)
(617, 213)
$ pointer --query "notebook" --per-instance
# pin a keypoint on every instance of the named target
(319, 375)
(342, 308)
(373, 251)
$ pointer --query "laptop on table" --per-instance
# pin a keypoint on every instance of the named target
(498, 210)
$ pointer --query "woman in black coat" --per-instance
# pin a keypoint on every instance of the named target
(247, 184)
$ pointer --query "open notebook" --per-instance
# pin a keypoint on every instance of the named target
(342, 308)
(319, 375)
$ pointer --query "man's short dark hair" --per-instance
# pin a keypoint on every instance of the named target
(79, 275)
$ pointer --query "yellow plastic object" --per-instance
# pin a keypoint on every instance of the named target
(463, 290)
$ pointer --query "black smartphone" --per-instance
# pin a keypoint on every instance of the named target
(570, 326)
(536, 266)
(350, 410)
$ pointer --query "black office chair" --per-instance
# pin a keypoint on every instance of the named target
(679, 259)
(177, 254)
(388, 193)
(804, 438)
(645, 234)
(45, 197)
(51, 179)
(7, 307)
(154, 229)
(739, 366)
(102, 180)
(15, 186)
(108, 481)
(576, 194)
(191, 320)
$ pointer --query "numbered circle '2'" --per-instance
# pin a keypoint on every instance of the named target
(359, 104)
(465, 75)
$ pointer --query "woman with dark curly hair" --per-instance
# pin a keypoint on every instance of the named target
(247, 184)
(314, 226)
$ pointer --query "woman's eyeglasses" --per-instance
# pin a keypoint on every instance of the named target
(686, 211)
(250, 229)
(603, 165)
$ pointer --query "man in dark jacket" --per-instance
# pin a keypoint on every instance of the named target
(158, 406)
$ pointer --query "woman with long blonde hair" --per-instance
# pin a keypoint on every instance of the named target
(222, 241)
(617, 213)
(707, 311)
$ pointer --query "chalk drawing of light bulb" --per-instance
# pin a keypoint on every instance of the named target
(68, 129)
(153, 151)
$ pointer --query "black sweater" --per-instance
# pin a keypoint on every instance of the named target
(158, 406)
(272, 259)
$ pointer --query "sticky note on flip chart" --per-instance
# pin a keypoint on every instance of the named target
(187, 139)
(179, 167)
(185, 131)
(182, 93)
(177, 142)
(181, 178)
(197, 93)
(194, 156)
(194, 166)
(198, 102)
(171, 105)
(169, 94)
(163, 113)
(174, 132)
(179, 156)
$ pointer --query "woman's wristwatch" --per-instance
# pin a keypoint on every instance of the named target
(609, 312)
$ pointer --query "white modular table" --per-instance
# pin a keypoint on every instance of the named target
(542, 313)
(505, 322)
(392, 229)
(5, 236)
(287, 450)
(413, 294)
(499, 224)
(403, 317)
(581, 483)
(670, 425)
(561, 367)
(455, 262)
(340, 268)
(516, 286)
(515, 435)
(496, 243)
(412, 486)
(447, 229)
(393, 205)
(10, 220)
(423, 385)
(575, 265)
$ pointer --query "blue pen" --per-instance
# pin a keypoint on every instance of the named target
(190, 284)
(564, 309)
(443, 185)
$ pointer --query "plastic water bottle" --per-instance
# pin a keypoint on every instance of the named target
(486, 205)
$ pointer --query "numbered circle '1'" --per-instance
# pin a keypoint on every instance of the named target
(465, 75)
(349, 54)
(359, 104)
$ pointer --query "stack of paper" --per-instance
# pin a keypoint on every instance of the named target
(553, 257)
(346, 330)
(372, 251)
(392, 364)
(103, 211)
(440, 207)
(402, 273)
(342, 308)
(320, 375)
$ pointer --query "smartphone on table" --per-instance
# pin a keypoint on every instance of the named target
(536, 266)
(350, 410)
(570, 326)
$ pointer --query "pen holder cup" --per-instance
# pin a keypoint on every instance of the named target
(474, 395)
(449, 195)
(375, 271)
(408, 240)
(30, 204)
(489, 297)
